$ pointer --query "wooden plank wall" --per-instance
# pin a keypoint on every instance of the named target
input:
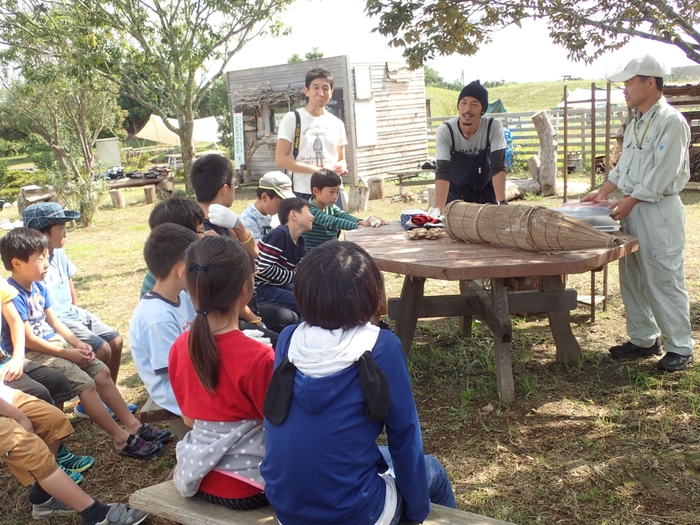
(401, 124)
(525, 139)
(280, 77)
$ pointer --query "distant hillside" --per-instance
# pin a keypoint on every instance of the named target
(516, 97)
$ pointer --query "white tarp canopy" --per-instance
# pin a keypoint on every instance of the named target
(577, 96)
(205, 130)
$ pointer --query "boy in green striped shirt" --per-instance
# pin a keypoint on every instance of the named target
(329, 220)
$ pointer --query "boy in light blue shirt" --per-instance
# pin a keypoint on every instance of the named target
(273, 188)
(163, 313)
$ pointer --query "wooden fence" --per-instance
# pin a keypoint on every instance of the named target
(526, 142)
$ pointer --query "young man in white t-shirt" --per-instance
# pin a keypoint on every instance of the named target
(322, 137)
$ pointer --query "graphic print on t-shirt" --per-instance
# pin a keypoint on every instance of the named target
(316, 134)
(36, 315)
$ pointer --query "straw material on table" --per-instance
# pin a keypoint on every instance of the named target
(535, 229)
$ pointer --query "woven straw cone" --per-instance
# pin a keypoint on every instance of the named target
(535, 229)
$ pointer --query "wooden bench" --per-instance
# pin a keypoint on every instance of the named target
(151, 412)
(402, 175)
(164, 501)
(163, 183)
(32, 194)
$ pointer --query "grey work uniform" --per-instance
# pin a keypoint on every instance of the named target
(654, 168)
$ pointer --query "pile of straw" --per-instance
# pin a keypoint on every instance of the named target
(535, 229)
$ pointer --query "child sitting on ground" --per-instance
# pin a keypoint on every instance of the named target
(52, 492)
(338, 383)
(214, 186)
(219, 377)
(25, 253)
(163, 313)
(280, 252)
(329, 220)
(49, 423)
(273, 188)
(215, 189)
(50, 219)
(174, 210)
(20, 373)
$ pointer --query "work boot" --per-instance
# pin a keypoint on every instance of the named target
(675, 362)
(629, 350)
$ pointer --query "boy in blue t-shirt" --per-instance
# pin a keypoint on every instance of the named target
(50, 219)
(273, 188)
(25, 253)
(280, 252)
(163, 313)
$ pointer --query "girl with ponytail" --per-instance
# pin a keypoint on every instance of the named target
(219, 377)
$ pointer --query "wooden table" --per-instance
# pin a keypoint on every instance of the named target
(164, 182)
(452, 260)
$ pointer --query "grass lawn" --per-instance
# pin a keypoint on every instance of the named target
(594, 442)
(530, 96)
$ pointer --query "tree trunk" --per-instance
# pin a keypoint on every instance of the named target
(376, 189)
(359, 198)
(548, 146)
(533, 164)
(186, 149)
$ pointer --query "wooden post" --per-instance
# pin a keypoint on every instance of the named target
(117, 198)
(376, 189)
(431, 196)
(502, 341)
(548, 145)
(593, 115)
(150, 192)
(566, 139)
(568, 348)
(608, 163)
(533, 165)
(359, 197)
(465, 322)
(409, 306)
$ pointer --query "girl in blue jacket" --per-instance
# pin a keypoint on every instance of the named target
(340, 381)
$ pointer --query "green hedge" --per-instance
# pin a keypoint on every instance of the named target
(12, 180)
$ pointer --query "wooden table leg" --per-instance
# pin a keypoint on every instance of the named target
(465, 322)
(409, 306)
(501, 341)
(568, 348)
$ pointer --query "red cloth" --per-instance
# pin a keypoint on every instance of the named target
(245, 368)
(421, 219)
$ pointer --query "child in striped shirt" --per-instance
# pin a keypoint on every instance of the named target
(280, 252)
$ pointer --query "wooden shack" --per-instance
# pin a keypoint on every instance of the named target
(381, 103)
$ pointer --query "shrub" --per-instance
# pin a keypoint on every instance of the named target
(79, 194)
(12, 180)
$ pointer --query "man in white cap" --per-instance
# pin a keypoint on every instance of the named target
(653, 168)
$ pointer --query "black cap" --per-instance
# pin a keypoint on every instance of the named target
(476, 90)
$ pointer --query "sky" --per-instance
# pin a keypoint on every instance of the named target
(340, 27)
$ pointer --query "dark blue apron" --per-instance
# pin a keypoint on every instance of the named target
(470, 175)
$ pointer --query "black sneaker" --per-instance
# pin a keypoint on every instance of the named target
(139, 448)
(153, 435)
(629, 350)
(675, 362)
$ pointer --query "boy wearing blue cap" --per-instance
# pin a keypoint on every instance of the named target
(50, 219)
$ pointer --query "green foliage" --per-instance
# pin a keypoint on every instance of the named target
(164, 55)
(12, 148)
(433, 79)
(311, 55)
(217, 105)
(426, 28)
(79, 194)
(12, 180)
